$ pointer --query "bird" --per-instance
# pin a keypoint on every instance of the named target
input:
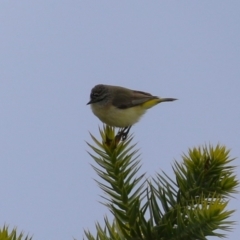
(121, 107)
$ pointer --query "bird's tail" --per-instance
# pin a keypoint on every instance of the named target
(154, 101)
(166, 100)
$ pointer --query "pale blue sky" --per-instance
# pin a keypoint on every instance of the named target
(54, 52)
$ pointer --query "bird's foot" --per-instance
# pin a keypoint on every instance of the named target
(123, 133)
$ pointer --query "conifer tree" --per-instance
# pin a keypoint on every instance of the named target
(191, 206)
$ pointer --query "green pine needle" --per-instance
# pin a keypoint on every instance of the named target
(193, 206)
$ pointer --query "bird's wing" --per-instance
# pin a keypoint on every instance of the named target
(126, 99)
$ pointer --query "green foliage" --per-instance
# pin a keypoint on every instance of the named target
(119, 166)
(192, 207)
(5, 234)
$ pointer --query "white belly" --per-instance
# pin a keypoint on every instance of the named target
(118, 117)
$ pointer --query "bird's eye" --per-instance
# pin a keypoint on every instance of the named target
(94, 95)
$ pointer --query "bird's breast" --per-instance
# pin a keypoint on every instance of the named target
(118, 117)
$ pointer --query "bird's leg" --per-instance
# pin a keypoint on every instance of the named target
(122, 133)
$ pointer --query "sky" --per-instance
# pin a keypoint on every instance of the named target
(54, 52)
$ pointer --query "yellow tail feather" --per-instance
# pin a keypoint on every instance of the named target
(155, 101)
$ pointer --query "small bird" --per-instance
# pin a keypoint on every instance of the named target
(121, 107)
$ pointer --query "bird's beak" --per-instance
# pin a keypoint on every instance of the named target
(89, 102)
